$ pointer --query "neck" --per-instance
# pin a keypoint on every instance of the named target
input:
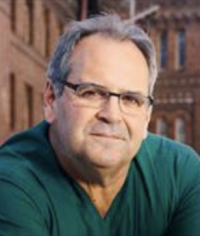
(102, 196)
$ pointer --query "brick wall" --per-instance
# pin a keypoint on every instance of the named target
(177, 91)
(4, 98)
(178, 88)
(23, 58)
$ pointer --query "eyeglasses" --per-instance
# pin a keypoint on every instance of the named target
(95, 96)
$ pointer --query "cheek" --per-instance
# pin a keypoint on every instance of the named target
(138, 128)
(74, 122)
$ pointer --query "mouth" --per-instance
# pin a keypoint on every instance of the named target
(108, 136)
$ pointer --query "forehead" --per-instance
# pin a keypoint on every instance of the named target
(109, 61)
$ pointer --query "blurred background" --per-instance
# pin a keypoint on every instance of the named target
(29, 30)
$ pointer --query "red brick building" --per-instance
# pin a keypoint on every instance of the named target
(175, 31)
(31, 28)
(29, 31)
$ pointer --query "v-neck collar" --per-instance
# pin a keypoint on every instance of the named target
(117, 206)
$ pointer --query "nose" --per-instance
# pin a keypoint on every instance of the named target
(110, 112)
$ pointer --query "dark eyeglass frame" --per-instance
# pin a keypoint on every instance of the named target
(76, 86)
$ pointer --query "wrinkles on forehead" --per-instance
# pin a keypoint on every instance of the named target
(84, 51)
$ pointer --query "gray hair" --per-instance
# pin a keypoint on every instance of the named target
(110, 25)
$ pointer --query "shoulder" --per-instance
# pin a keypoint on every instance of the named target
(171, 155)
(171, 162)
(26, 140)
(164, 148)
(20, 155)
(171, 171)
(24, 169)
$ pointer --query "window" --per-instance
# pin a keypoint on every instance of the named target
(180, 130)
(181, 48)
(92, 8)
(81, 9)
(161, 127)
(13, 15)
(30, 12)
(163, 49)
(86, 8)
(12, 94)
(47, 32)
(29, 105)
(61, 28)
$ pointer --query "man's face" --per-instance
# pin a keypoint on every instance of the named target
(105, 137)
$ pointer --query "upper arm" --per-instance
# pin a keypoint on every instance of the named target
(19, 214)
(186, 218)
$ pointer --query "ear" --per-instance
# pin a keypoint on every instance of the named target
(148, 118)
(48, 102)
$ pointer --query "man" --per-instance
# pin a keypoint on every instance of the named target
(91, 168)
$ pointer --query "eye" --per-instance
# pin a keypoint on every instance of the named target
(91, 92)
(130, 99)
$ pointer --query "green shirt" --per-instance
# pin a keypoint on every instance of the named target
(161, 194)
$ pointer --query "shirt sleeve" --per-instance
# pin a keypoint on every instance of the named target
(186, 217)
(19, 214)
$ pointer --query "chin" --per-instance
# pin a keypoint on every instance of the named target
(107, 160)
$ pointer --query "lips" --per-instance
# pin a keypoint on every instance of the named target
(108, 131)
(108, 135)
